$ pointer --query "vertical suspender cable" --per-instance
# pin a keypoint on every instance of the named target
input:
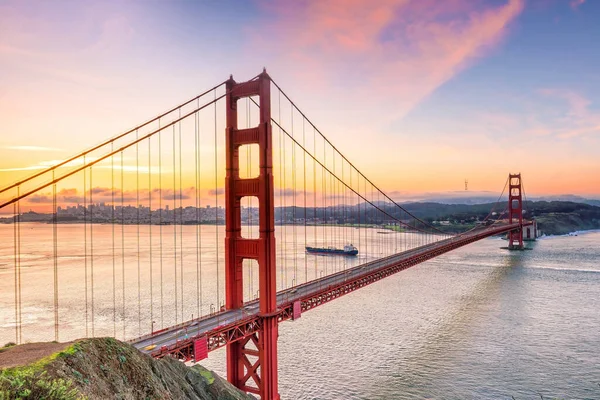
(199, 215)
(150, 230)
(15, 222)
(217, 209)
(315, 230)
(55, 256)
(85, 256)
(284, 216)
(336, 208)
(123, 246)
(305, 205)
(351, 227)
(295, 241)
(197, 195)
(334, 230)
(19, 264)
(112, 225)
(92, 247)
(160, 226)
(324, 185)
(281, 208)
(360, 250)
(137, 228)
(174, 211)
(344, 210)
(250, 283)
(181, 217)
(15, 239)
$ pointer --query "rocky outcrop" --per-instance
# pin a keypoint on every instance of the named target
(107, 368)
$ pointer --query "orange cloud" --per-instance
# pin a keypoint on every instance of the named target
(394, 53)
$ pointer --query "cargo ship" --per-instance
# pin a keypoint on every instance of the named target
(348, 250)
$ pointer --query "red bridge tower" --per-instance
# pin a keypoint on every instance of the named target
(515, 211)
(251, 362)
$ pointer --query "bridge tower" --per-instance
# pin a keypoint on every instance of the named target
(515, 211)
(251, 362)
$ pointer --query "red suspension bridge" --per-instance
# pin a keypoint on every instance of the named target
(151, 240)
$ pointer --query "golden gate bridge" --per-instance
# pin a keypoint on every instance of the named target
(134, 241)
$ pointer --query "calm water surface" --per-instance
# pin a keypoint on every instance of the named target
(478, 323)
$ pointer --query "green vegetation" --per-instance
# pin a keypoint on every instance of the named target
(32, 381)
(7, 346)
(26, 383)
(553, 217)
(208, 375)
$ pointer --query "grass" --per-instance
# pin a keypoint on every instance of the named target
(27, 383)
(32, 382)
(7, 346)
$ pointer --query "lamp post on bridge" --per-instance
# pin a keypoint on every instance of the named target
(152, 331)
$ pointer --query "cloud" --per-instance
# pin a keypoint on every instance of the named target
(218, 191)
(62, 196)
(99, 190)
(576, 118)
(578, 104)
(116, 34)
(288, 192)
(184, 194)
(96, 195)
(29, 168)
(105, 164)
(392, 53)
(576, 3)
(39, 199)
(69, 196)
(46, 163)
(31, 148)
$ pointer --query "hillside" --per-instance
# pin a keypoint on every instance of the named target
(553, 217)
(103, 368)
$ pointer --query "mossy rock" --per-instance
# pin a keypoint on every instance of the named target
(106, 368)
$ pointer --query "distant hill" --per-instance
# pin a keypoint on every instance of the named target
(468, 197)
(553, 217)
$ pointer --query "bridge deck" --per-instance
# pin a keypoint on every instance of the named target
(228, 326)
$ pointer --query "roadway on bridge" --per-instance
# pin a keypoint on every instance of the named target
(221, 319)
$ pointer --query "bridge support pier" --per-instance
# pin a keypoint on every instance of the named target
(515, 211)
(251, 362)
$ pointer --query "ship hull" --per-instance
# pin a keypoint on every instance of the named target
(319, 250)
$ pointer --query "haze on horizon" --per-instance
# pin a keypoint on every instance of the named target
(418, 94)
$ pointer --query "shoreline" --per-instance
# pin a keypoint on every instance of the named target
(574, 233)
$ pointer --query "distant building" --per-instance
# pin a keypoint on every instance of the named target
(530, 232)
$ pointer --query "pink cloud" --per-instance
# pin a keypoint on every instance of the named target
(576, 3)
(394, 53)
(577, 120)
(578, 104)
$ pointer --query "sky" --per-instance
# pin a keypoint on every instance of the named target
(419, 95)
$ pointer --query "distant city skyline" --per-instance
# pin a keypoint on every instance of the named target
(71, 198)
